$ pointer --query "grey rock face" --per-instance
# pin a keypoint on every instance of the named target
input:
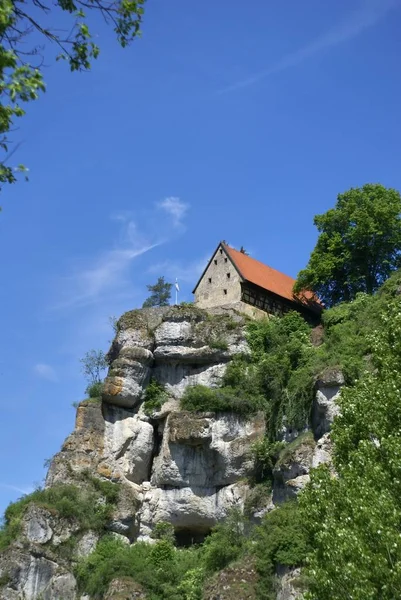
(193, 509)
(36, 525)
(291, 473)
(325, 407)
(323, 451)
(128, 443)
(33, 577)
(205, 450)
(86, 544)
(289, 587)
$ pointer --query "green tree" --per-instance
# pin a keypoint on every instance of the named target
(93, 364)
(358, 247)
(160, 294)
(23, 31)
(353, 519)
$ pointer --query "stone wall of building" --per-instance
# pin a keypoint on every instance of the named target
(220, 284)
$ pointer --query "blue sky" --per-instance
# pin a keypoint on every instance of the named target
(225, 121)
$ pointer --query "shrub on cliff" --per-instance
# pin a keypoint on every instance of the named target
(282, 539)
(90, 506)
(226, 543)
(226, 399)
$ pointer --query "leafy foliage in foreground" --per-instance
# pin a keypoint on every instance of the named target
(21, 22)
(280, 540)
(354, 520)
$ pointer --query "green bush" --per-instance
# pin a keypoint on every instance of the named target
(354, 519)
(280, 540)
(191, 586)
(163, 531)
(226, 399)
(154, 397)
(265, 454)
(218, 343)
(226, 543)
(159, 568)
(94, 390)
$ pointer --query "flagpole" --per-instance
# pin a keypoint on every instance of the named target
(176, 291)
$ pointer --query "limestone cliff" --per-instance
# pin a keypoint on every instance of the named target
(188, 469)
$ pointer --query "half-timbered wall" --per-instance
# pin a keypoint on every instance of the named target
(262, 299)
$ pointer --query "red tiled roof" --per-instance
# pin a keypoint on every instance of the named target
(255, 272)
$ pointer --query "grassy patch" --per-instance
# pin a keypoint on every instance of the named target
(218, 344)
(154, 397)
(200, 398)
(94, 390)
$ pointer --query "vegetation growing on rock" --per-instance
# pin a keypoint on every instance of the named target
(90, 506)
(154, 397)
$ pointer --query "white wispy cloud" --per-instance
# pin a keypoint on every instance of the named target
(185, 272)
(108, 274)
(174, 207)
(15, 488)
(362, 18)
(45, 372)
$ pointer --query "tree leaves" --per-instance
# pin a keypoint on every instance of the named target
(354, 518)
(20, 81)
(358, 247)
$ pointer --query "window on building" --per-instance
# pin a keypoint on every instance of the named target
(225, 292)
(228, 275)
(221, 251)
(215, 261)
(210, 280)
(225, 260)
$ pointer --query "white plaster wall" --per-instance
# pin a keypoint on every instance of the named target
(212, 293)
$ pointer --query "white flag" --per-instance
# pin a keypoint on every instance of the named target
(177, 286)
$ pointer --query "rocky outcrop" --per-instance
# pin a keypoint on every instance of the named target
(176, 466)
(325, 407)
(186, 468)
(290, 585)
(236, 582)
(291, 472)
(125, 588)
(31, 576)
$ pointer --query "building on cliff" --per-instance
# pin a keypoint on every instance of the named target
(235, 279)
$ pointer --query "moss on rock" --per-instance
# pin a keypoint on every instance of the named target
(188, 428)
(302, 444)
